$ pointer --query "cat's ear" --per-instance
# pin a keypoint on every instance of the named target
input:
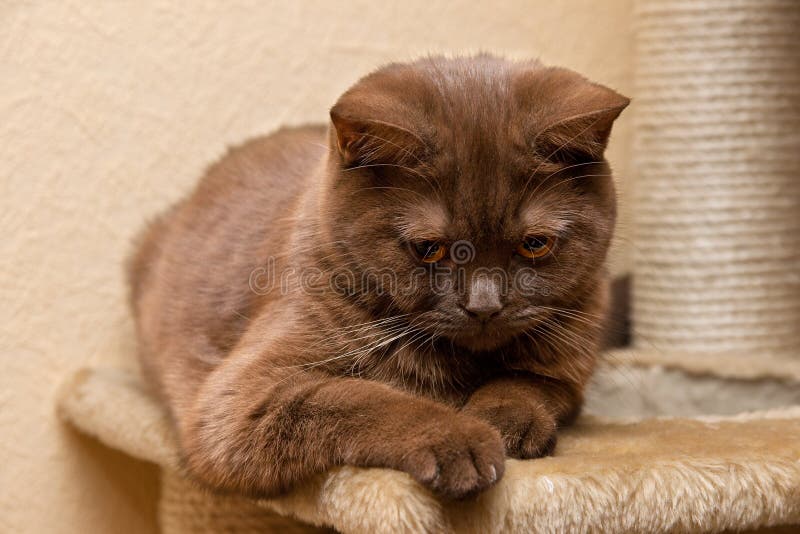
(364, 141)
(574, 117)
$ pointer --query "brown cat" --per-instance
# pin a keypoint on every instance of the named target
(416, 287)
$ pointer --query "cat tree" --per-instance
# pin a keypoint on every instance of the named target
(716, 315)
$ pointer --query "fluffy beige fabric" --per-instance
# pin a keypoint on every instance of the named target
(658, 475)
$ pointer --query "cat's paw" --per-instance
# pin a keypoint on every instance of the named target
(527, 431)
(532, 439)
(455, 457)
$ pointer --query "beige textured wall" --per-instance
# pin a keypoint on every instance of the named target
(110, 110)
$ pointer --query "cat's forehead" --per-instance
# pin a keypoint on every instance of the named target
(483, 159)
(475, 114)
(484, 183)
(483, 173)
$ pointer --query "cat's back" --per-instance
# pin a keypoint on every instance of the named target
(192, 265)
(258, 179)
(272, 166)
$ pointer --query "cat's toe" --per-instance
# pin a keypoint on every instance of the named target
(460, 463)
(535, 441)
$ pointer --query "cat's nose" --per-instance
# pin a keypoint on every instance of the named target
(483, 301)
(483, 313)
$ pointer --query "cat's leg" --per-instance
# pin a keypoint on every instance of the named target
(259, 426)
(527, 410)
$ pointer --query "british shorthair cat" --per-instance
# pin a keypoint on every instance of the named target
(418, 285)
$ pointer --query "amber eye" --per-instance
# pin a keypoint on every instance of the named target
(429, 251)
(536, 246)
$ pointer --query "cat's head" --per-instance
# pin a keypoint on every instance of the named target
(471, 194)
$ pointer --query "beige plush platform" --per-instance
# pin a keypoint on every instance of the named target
(706, 474)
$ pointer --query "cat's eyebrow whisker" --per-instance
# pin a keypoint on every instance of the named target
(369, 165)
(436, 187)
(564, 144)
(405, 150)
(395, 188)
(571, 178)
(562, 169)
(401, 128)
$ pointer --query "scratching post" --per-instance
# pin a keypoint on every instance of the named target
(717, 242)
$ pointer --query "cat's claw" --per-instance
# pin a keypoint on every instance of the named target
(492, 473)
(458, 461)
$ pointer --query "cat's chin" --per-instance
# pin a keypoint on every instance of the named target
(481, 341)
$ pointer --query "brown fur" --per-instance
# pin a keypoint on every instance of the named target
(267, 387)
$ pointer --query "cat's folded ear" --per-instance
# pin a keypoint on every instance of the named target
(367, 135)
(573, 117)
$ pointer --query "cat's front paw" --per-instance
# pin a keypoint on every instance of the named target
(528, 431)
(531, 440)
(456, 457)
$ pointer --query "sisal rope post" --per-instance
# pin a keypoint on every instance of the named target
(717, 145)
